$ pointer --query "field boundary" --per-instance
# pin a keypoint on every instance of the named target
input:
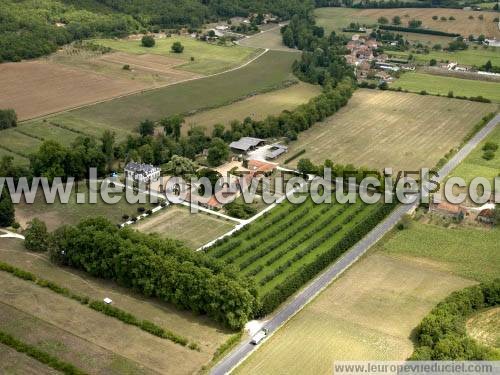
(39, 355)
(99, 306)
(141, 91)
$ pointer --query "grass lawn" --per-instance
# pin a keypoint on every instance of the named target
(194, 230)
(58, 214)
(257, 107)
(471, 56)
(271, 39)
(380, 129)
(416, 82)
(208, 58)
(123, 115)
(475, 166)
(467, 252)
(369, 313)
(195, 328)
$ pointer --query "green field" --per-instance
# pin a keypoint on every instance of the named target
(257, 107)
(470, 253)
(208, 58)
(416, 82)
(471, 56)
(475, 166)
(288, 238)
(335, 19)
(123, 115)
(194, 230)
(368, 313)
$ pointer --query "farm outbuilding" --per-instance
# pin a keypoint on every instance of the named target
(245, 144)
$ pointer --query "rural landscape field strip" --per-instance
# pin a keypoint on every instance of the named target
(112, 311)
(123, 115)
(417, 82)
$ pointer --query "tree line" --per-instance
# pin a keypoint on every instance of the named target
(156, 267)
(442, 333)
(29, 30)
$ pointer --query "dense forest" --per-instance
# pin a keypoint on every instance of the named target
(31, 29)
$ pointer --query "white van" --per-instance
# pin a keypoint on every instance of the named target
(259, 336)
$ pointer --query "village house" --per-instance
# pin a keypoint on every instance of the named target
(142, 172)
(486, 216)
(454, 211)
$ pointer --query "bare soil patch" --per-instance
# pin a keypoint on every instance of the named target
(36, 88)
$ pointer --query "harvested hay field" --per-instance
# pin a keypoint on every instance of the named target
(14, 362)
(257, 107)
(461, 25)
(208, 58)
(78, 344)
(194, 230)
(100, 332)
(49, 87)
(147, 69)
(369, 312)
(485, 327)
(380, 129)
(338, 18)
(123, 115)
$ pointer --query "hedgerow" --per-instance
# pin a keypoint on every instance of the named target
(39, 355)
(112, 311)
(442, 334)
(417, 30)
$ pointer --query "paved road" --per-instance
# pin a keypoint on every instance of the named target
(358, 250)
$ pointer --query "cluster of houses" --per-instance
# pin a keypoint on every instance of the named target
(368, 63)
(484, 214)
(251, 162)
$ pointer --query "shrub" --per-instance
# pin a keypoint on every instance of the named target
(126, 67)
(36, 236)
(489, 155)
(8, 118)
(490, 146)
(177, 47)
(148, 41)
(141, 209)
(423, 92)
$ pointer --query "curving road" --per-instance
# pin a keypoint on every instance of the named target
(358, 250)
